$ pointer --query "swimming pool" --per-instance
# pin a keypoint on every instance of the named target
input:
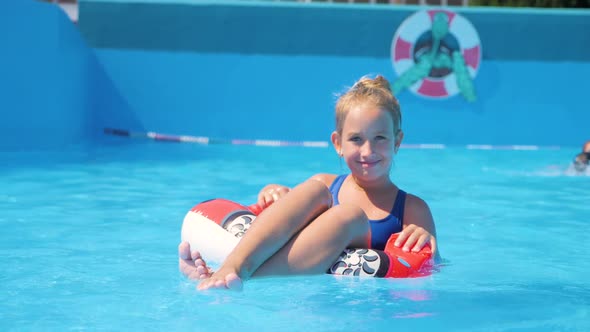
(89, 242)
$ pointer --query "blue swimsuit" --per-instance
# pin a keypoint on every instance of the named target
(381, 229)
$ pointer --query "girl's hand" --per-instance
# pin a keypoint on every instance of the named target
(414, 238)
(270, 194)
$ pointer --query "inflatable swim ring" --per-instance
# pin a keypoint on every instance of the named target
(412, 38)
(215, 227)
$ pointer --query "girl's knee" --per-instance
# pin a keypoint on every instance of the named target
(319, 190)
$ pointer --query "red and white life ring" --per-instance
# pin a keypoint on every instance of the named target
(404, 43)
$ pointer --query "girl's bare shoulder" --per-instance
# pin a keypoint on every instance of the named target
(415, 203)
(325, 178)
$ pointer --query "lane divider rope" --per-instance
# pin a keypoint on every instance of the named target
(312, 144)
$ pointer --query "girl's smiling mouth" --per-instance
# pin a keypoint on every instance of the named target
(368, 164)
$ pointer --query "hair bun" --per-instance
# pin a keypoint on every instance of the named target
(379, 82)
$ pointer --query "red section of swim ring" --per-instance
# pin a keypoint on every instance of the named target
(472, 56)
(402, 49)
(433, 88)
(217, 209)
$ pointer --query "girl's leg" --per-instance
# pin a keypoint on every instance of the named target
(312, 251)
(317, 246)
(273, 228)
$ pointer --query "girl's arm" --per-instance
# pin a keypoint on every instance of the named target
(419, 228)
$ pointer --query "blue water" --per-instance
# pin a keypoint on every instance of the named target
(89, 241)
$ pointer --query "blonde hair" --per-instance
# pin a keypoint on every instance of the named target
(375, 91)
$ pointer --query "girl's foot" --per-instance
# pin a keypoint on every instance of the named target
(192, 265)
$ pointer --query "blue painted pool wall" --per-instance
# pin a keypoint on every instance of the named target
(266, 70)
(61, 84)
(292, 98)
(53, 91)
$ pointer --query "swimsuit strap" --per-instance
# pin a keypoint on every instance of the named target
(335, 188)
(398, 206)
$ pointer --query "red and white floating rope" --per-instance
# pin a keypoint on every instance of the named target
(208, 140)
(312, 144)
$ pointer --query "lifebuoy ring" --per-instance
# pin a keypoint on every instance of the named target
(411, 37)
(215, 226)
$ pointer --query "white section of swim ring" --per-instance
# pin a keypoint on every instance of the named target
(211, 240)
(414, 26)
(464, 31)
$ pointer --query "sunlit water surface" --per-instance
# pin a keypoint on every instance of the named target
(89, 241)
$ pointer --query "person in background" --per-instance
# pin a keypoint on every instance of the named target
(303, 230)
(582, 159)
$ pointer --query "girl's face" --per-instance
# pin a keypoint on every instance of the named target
(368, 142)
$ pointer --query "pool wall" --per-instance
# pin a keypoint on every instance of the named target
(267, 70)
(53, 91)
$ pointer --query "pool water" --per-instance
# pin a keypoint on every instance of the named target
(89, 241)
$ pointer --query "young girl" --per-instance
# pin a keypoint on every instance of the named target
(304, 230)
